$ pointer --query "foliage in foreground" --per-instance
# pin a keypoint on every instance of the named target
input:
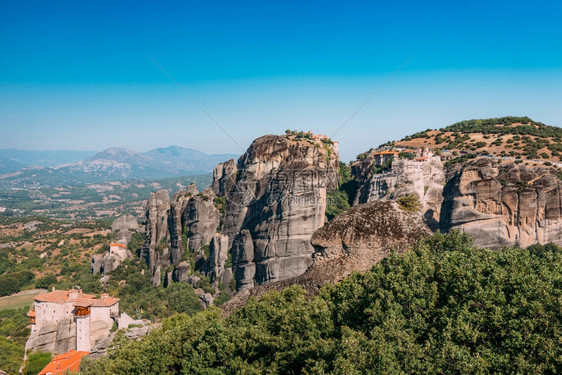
(445, 307)
(13, 334)
(37, 362)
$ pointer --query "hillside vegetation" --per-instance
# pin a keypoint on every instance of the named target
(40, 252)
(516, 137)
(87, 201)
(446, 307)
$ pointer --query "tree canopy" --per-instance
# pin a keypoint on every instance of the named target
(445, 307)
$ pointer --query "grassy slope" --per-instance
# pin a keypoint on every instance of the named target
(19, 300)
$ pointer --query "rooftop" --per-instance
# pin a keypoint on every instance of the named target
(77, 298)
(386, 152)
(64, 363)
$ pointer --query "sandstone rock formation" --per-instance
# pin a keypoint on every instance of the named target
(277, 201)
(218, 255)
(352, 241)
(243, 264)
(110, 260)
(424, 179)
(503, 205)
(156, 246)
(54, 337)
(498, 204)
(266, 208)
(185, 223)
(224, 177)
(124, 226)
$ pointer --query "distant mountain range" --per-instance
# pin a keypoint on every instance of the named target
(12, 160)
(53, 168)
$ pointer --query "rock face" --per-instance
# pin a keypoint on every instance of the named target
(188, 221)
(224, 176)
(123, 229)
(54, 337)
(503, 205)
(201, 218)
(275, 204)
(109, 261)
(423, 179)
(155, 250)
(244, 267)
(124, 226)
(218, 255)
(367, 232)
(265, 207)
(353, 241)
(498, 204)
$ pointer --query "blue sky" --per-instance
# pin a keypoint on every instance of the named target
(78, 75)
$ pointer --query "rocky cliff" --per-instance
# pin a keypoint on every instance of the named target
(504, 204)
(499, 203)
(277, 201)
(424, 179)
(122, 229)
(185, 223)
(352, 241)
(261, 210)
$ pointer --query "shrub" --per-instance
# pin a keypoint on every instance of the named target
(46, 281)
(409, 203)
(37, 361)
(336, 203)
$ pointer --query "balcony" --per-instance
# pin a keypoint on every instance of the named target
(82, 311)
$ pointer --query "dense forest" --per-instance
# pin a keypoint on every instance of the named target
(445, 307)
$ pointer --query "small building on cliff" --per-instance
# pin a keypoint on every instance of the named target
(64, 320)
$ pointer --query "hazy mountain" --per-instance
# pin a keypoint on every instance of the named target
(8, 165)
(23, 158)
(116, 164)
(187, 159)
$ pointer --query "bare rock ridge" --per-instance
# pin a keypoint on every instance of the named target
(265, 207)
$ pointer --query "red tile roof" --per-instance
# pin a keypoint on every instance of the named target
(386, 152)
(79, 298)
(117, 244)
(105, 301)
(64, 363)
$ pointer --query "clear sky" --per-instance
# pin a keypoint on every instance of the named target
(78, 74)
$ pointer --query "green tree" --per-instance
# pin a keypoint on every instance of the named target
(444, 307)
(337, 202)
(46, 281)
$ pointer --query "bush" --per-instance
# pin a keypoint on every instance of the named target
(46, 281)
(409, 203)
(37, 362)
(336, 203)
